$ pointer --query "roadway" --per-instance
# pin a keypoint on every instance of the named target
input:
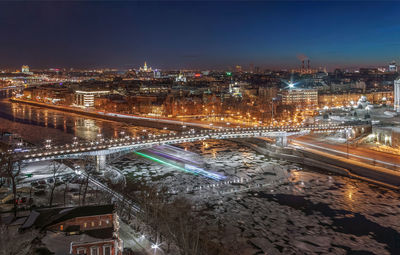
(134, 143)
(358, 153)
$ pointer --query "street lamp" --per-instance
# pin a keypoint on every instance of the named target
(48, 144)
(348, 131)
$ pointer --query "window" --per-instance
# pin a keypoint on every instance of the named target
(106, 250)
(85, 225)
(94, 251)
(107, 222)
(61, 227)
(81, 251)
(92, 223)
(99, 223)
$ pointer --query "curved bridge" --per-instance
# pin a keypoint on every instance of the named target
(111, 146)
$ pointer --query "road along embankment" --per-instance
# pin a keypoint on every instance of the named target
(129, 119)
(327, 162)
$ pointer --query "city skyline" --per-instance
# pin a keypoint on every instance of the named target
(272, 34)
(223, 127)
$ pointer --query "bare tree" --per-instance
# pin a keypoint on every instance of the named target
(67, 180)
(11, 170)
(88, 169)
(56, 168)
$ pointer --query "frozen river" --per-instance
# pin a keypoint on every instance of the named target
(262, 206)
(274, 207)
(36, 124)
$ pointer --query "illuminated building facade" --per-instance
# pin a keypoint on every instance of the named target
(300, 96)
(145, 68)
(25, 69)
(86, 98)
(397, 95)
(234, 89)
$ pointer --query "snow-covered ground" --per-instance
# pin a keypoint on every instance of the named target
(41, 170)
(274, 207)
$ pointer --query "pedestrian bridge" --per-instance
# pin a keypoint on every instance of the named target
(104, 147)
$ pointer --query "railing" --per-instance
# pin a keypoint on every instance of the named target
(127, 143)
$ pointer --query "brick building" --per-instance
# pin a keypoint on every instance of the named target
(90, 230)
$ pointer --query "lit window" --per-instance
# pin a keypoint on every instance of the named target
(99, 223)
(107, 222)
(61, 227)
(92, 223)
(85, 225)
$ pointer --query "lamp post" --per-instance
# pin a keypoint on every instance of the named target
(48, 144)
(347, 141)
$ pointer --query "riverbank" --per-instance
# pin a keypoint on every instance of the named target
(159, 123)
(327, 162)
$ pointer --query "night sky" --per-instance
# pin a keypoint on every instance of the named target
(198, 34)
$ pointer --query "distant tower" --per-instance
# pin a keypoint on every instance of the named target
(397, 95)
(145, 66)
(25, 69)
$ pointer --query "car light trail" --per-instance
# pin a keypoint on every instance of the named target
(188, 168)
(174, 153)
(345, 153)
(169, 156)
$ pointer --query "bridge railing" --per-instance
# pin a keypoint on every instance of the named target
(115, 144)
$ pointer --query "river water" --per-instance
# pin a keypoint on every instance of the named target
(263, 206)
(35, 124)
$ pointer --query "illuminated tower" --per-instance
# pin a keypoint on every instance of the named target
(397, 95)
(145, 66)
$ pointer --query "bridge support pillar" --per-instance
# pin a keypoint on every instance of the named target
(281, 141)
(100, 162)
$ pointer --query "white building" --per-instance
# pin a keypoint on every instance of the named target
(86, 98)
(392, 67)
(397, 95)
(25, 69)
(300, 96)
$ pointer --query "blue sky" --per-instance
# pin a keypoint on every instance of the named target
(199, 34)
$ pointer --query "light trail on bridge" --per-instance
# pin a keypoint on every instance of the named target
(168, 151)
(300, 143)
(188, 168)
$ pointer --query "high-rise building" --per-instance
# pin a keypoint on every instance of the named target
(145, 68)
(397, 95)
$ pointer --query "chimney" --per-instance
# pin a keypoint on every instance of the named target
(308, 64)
